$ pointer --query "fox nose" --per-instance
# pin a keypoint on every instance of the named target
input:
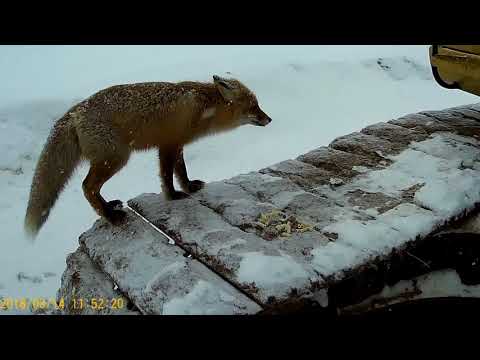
(268, 120)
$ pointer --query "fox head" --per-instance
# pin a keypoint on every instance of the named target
(242, 100)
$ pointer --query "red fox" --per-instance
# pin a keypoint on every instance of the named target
(105, 128)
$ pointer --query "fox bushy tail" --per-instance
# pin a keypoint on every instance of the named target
(56, 164)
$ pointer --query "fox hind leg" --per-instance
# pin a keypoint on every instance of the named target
(98, 175)
(102, 146)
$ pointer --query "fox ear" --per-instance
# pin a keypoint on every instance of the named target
(224, 87)
(223, 82)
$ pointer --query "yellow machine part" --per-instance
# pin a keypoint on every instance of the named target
(457, 66)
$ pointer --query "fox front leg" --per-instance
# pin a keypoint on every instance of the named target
(168, 158)
(181, 173)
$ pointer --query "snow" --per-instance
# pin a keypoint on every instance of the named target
(336, 181)
(202, 295)
(332, 257)
(358, 241)
(410, 220)
(447, 190)
(265, 270)
(437, 162)
(156, 282)
(360, 169)
(312, 93)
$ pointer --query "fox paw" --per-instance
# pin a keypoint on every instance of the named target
(178, 195)
(115, 217)
(195, 185)
(115, 204)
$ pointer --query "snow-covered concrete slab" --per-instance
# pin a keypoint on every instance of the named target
(346, 165)
(83, 282)
(367, 145)
(269, 271)
(293, 231)
(302, 174)
(460, 120)
(466, 112)
(366, 195)
(394, 133)
(422, 122)
(443, 189)
(157, 277)
(451, 258)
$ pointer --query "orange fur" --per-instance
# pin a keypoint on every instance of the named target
(105, 128)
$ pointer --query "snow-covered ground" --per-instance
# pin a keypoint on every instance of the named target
(312, 93)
